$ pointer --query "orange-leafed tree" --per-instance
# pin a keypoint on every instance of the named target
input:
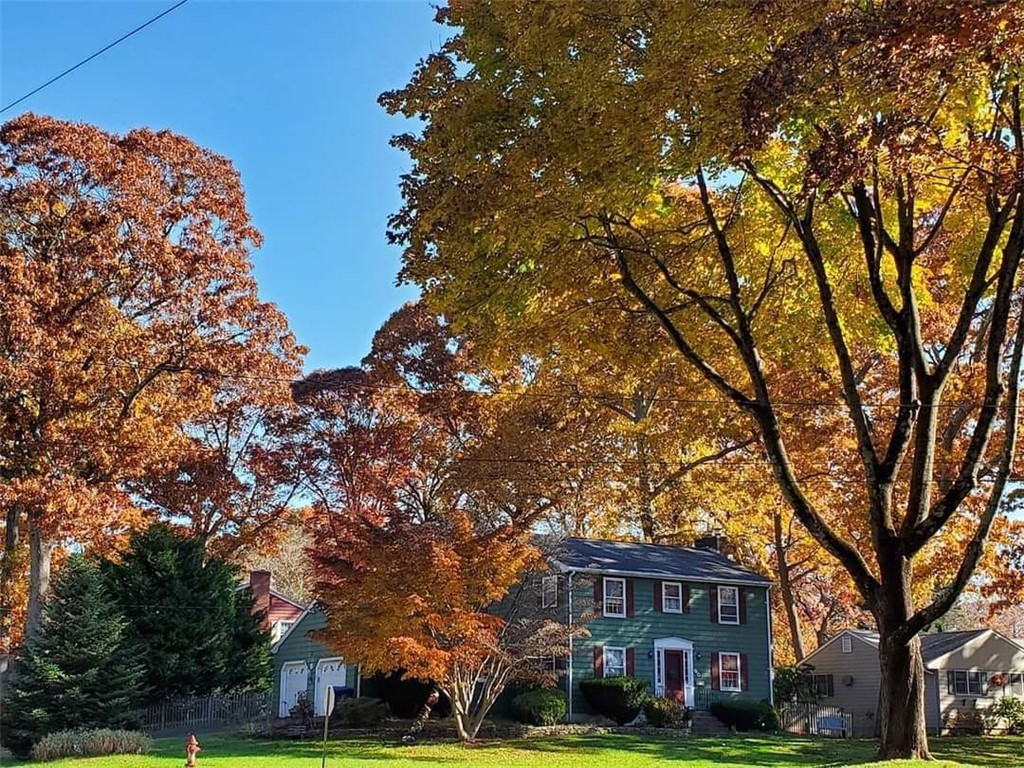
(127, 303)
(423, 563)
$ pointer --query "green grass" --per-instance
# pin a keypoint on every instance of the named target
(565, 752)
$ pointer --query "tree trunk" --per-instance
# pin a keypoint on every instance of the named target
(901, 707)
(786, 592)
(40, 557)
(12, 545)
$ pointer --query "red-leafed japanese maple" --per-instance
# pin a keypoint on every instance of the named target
(420, 568)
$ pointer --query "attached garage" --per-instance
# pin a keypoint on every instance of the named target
(304, 664)
(294, 680)
(329, 672)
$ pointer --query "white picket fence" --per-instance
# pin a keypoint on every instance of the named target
(816, 720)
(206, 712)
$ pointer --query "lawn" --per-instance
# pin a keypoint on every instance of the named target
(565, 752)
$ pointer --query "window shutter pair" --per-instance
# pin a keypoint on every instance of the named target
(599, 661)
(741, 599)
(716, 673)
(599, 595)
(659, 597)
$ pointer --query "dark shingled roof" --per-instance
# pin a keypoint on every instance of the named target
(654, 560)
(933, 644)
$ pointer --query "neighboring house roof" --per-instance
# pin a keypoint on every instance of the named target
(934, 645)
(295, 624)
(651, 561)
(279, 595)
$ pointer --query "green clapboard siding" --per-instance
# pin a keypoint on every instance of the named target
(299, 646)
(647, 625)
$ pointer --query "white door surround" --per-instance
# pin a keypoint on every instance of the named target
(328, 672)
(294, 680)
(674, 644)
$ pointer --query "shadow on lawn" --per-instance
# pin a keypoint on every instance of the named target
(307, 750)
(729, 752)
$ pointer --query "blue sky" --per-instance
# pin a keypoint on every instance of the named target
(287, 90)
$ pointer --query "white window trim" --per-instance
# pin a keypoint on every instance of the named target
(604, 592)
(664, 596)
(721, 591)
(604, 661)
(545, 583)
(1017, 689)
(967, 692)
(721, 671)
(847, 644)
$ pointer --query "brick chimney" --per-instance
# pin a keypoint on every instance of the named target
(259, 587)
(709, 542)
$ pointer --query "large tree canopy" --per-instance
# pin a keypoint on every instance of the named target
(817, 205)
(128, 310)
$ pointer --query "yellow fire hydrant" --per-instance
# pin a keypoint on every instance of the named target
(191, 749)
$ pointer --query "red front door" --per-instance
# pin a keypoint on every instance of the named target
(674, 676)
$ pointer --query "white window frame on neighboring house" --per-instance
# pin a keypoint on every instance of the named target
(722, 671)
(666, 597)
(722, 590)
(847, 643)
(965, 682)
(1015, 684)
(620, 669)
(549, 592)
(606, 602)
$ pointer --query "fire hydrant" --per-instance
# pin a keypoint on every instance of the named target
(191, 749)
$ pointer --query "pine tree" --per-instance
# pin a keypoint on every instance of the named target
(78, 670)
(193, 625)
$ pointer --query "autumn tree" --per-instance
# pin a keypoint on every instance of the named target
(817, 204)
(127, 303)
(419, 560)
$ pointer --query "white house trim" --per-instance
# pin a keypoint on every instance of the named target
(753, 582)
(663, 644)
(820, 648)
(292, 628)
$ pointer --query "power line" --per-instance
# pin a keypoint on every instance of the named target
(103, 50)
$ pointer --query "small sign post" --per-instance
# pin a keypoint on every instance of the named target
(328, 710)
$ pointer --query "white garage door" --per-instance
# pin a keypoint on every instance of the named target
(294, 680)
(328, 672)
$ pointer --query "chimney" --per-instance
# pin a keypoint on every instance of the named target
(709, 542)
(259, 587)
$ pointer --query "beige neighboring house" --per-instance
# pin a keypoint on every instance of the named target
(963, 670)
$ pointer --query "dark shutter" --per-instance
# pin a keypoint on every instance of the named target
(686, 598)
(598, 661)
(745, 673)
(629, 597)
(657, 597)
(630, 662)
(741, 598)
(951, 683)
(713, 599)
(831, 686)
(598, 594)
(540, 593)
(716, 680)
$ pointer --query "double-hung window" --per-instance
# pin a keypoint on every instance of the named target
(1015, 687)
(614, 661)
(729, 671)
(671, 597)
(549, 592)
(823, 686)
(964, 683)
(728, 605)
(615, 598)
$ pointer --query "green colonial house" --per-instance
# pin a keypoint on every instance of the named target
(690, 621)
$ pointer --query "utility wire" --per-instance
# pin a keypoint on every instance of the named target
(103, 50)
